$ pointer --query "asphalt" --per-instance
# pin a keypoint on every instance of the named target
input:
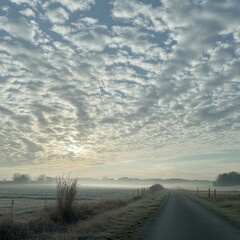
(183, 219)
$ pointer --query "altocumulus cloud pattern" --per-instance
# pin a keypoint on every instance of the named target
(92, 82)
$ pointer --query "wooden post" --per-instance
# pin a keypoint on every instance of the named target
(45, 203)
(209, 193)
(11, 208)
(197, 191)
(138, 192)
(215, 194)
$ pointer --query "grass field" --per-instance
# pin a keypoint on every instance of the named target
(224, 203)
(111, 214)
(29, 198)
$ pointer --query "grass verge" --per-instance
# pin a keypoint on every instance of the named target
(123, 223)
(221, 208)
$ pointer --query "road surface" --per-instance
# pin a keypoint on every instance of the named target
(183, 219)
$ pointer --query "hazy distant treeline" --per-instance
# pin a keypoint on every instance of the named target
(224, 179)
(26, 178)
(228, 179)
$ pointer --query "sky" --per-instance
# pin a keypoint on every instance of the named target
(147, 89)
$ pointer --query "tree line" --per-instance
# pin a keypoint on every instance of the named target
(26, 178)
(227, 179)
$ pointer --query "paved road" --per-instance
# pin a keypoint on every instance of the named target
(183, 219)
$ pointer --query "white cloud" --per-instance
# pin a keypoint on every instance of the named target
(139, 14)
(28, 12)
(57, 15)
(5, 9)
(73, 5)
(31, 3)
(18, 29)
(153, 82)
(131, 37)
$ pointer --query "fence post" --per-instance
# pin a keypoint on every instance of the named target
(45, 203)
(215, 194)
(209, 194)
(11, 208)
(197, 191)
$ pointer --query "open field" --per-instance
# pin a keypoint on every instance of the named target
(28, 198)
(96, 212)
(224, 203)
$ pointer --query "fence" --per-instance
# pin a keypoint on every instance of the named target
(223, 198)
(21, 204)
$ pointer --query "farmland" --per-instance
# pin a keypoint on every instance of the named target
(32, 208)
(30, 197)
(29, 211)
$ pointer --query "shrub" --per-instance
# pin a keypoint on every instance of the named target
(66, 195)
(156, 188)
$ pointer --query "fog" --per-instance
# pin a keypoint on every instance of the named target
(45, 182)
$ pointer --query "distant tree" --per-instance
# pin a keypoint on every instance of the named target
(21, 178)
(227, 179)
(124, 179)
(41, 178)
(156, 187)
(106, 178)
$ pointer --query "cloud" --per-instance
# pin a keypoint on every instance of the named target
(19, 2)
(73, 5)
(28, 12)
(18, 29)
(5, 111)
(142, 15)
(57, 15)
(152, 82)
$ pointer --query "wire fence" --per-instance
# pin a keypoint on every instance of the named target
(228, 199)
(26, 203)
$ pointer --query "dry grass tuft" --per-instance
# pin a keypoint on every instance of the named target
(66, 195)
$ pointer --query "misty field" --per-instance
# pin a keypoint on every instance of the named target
(27, 198)
(33, 212)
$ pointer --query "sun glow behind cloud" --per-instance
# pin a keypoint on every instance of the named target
(94, 83)
(74, 149)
